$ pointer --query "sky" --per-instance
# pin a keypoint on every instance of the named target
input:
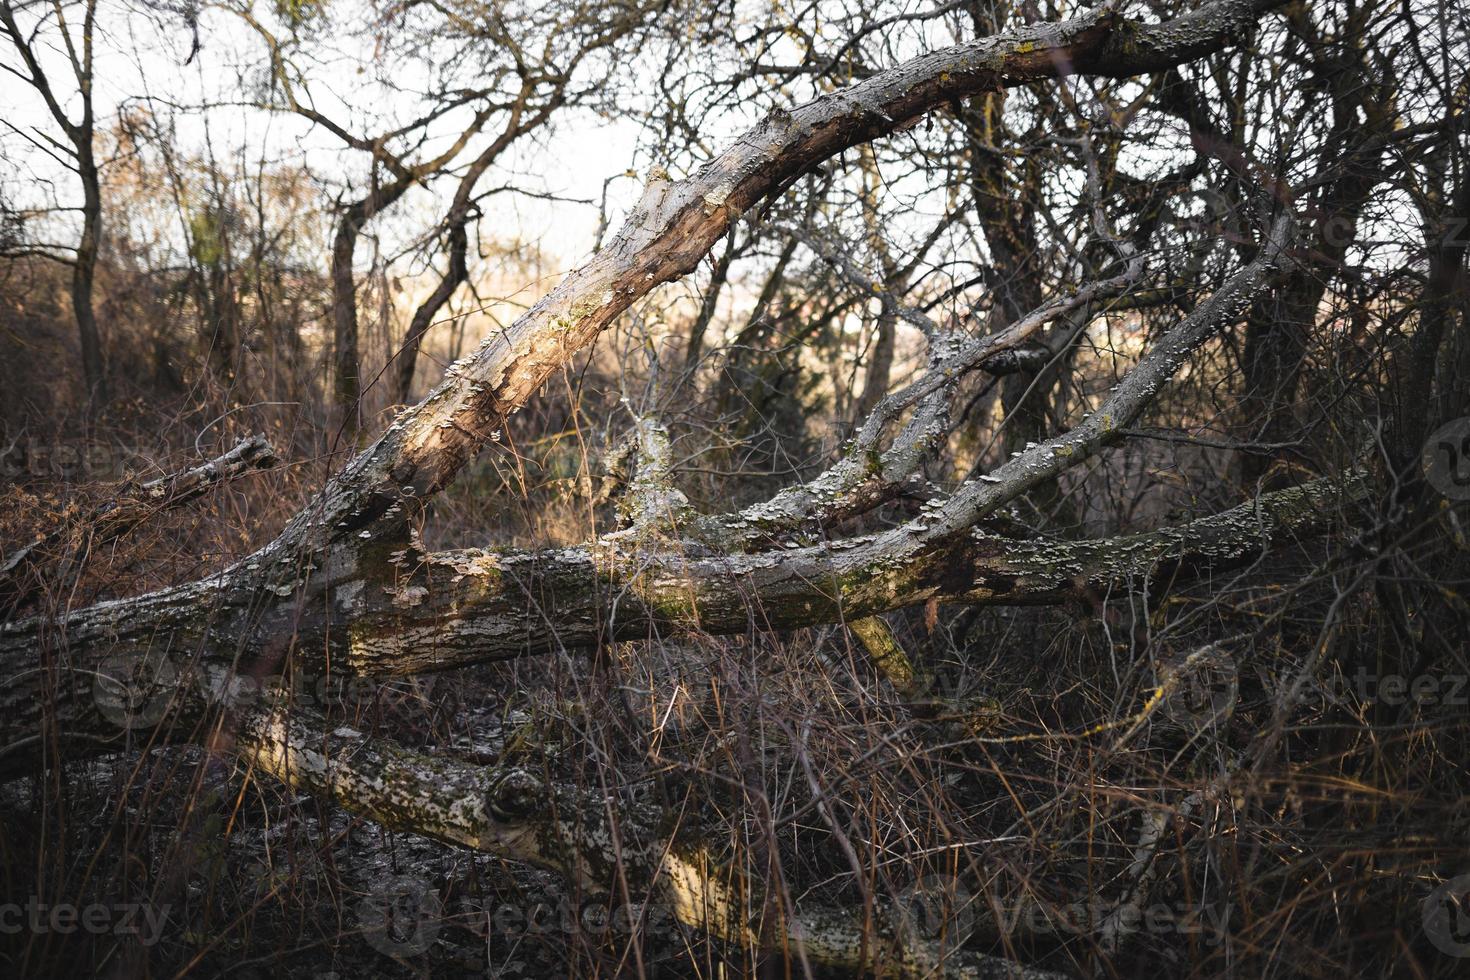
(140, 63)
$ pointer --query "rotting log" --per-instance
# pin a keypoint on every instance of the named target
(453, 609)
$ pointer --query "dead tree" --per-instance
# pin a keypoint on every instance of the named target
(348, 586)
(529, 81)
(80, 156)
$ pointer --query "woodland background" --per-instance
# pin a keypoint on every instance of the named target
(286, 219)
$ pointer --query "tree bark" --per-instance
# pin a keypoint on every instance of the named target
(346, 368)
(601, 844)
(347, 588)
(452, 609)
(84, 272)
(80, 134)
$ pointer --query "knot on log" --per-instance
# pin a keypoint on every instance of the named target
(516, 795)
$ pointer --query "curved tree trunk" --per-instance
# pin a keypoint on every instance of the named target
(347, 587)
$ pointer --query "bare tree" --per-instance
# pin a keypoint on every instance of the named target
(45, 25)
(528, 71)
(400, 173)
(547, 83)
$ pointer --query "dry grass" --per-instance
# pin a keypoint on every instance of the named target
(1293, 838)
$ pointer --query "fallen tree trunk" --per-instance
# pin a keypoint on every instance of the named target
(603, 844)
(347, 588)
(20, 575)
(454, 609)
(346, 585)
(407, 611)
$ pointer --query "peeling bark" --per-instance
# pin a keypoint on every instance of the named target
(454, 609)
(599, 842)
(346, 587)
